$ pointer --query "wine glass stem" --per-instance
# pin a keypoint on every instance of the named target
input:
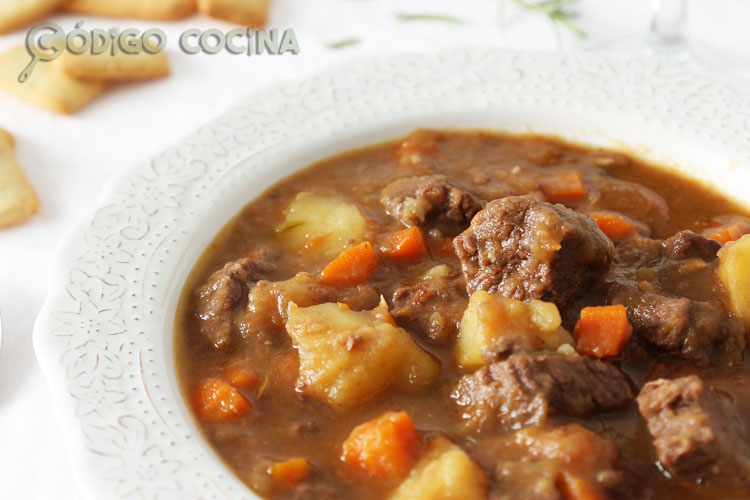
(666, 34)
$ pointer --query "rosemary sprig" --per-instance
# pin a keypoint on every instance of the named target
(414, 16)
(558, 11)
(347, 42)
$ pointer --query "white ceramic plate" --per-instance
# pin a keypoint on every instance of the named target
(104, 335)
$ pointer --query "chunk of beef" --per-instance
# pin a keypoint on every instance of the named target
(526, 249)
(643, 262)
(629, 198)
(533, 463)
(266, 310)
(665, 286)
(689, 245)
(223, 294)
(431, 307)
(690, 329)
(413, 200)
(526, 388)
(640, 251)
(692, 432)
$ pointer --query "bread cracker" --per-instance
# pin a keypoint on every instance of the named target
(141, 9)
(120, 67)
(6, 140)
(18, 201)
(16, 14)
(47, 86)
(253, 13)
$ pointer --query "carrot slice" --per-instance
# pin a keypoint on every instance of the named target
(726, 234)
(408, 243)
(602, 331)
(241, 379)
(384, 448)
(574, 487)
(563, 185)
(290, 472)
(612, 224)
(216, 401)
(352, 266)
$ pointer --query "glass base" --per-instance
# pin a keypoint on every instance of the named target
(696, 56)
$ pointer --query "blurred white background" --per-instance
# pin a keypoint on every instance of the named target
(69, 158)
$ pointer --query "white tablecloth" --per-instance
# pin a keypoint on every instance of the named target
(69, 158)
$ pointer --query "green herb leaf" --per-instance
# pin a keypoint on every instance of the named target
(347, 42)
(407, 16)
(560, 12)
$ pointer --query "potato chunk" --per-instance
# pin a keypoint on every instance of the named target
(348, 356)
(439, 271)
(734, 270)
(445, 472)
(321, 223)
(488, 318)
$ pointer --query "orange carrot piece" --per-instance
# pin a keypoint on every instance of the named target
(352, 266)
(574, 487)
(241, 379)
(384, 448)
(563, 185)
(216, 401)
(289, 472)
(726, 234)
(408, 243)
(602, 331)
(612, 224)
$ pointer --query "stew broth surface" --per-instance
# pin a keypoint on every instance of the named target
(283, 423)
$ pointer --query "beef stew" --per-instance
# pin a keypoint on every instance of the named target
(475, 315)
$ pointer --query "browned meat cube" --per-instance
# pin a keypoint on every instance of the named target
(224, 292)
(690, 329)
(413, 200)
(266, 311)
(689, 245)
(637, 250)
(525, 388)
(431, 307)
(693, 434)
(526, 249)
